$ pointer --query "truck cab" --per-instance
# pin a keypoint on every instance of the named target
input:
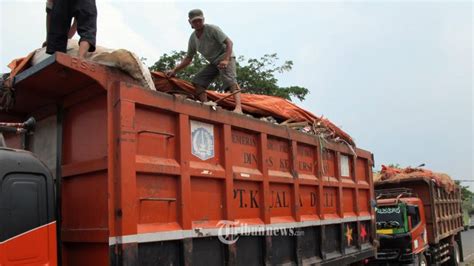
(401, 227)
(27, 210)
(418, 222)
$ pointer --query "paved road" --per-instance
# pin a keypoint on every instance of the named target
(468, 246)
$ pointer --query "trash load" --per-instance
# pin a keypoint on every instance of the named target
(394, 175)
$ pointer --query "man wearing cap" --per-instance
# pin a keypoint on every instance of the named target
(216, 47)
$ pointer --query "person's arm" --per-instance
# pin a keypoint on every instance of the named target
(186, 62)
(228, 52)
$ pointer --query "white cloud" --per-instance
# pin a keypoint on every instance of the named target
(149, 34)
(114, 32)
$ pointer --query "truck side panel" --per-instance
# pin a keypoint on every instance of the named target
(258, 175)
(84, 182)
(448, 212)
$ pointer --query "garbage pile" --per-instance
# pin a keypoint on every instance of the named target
(272, 109)
(392, 174)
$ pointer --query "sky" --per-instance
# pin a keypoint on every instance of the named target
(396, 75)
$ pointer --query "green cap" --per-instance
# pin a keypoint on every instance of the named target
(195, 14)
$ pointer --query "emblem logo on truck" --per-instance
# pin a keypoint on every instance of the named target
(202, 140)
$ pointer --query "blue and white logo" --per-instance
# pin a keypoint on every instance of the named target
(202, 140)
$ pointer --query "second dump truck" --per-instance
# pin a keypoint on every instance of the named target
(419, 222)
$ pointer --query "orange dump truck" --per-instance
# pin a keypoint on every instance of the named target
(419, 218)
(147, 178)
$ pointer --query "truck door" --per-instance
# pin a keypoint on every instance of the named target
(27, 222)
(417, 228)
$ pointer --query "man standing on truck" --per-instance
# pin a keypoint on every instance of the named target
(216, 47)
(49, 8)
(59, 25)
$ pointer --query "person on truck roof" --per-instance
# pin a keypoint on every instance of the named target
(210, 41)
(59, 29)
(49, 8)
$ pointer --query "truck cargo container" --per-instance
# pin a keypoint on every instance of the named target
(418, 221)
(147, 178)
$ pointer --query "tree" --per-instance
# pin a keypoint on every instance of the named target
(256, 76)
(395, 165)
(466, 194)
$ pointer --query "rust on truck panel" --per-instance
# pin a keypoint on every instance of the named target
(135, 175)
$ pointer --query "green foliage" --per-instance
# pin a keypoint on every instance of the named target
(257, 76)
(466, 194)
(169, 61)
(395, 165)
(467, 197)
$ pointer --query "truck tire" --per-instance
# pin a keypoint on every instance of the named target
(455, 259)
(422, 260)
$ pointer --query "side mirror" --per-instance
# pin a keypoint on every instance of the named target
(373, 203)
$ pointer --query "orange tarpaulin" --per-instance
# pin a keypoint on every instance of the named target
(20, 64)
(392, 174)
(262, 105)
(7, 98)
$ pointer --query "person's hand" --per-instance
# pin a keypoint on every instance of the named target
(170, 73)
(223, 64)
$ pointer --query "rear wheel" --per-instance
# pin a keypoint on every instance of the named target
(422, 260)
(455, 258)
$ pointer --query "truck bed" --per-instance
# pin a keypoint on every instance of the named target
(147, 178)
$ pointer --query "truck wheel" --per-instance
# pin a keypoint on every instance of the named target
(455, 258)
(422, 260)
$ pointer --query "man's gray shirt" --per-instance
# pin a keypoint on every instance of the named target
(211, 44)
